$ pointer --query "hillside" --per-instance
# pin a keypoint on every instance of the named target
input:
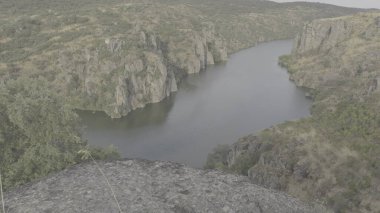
(333, 156)
(116, 56)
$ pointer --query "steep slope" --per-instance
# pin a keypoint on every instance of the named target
(144, 186)
(116, 56)
(333, 156)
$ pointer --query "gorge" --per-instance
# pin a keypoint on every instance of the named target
(247, 94)
(135, 73)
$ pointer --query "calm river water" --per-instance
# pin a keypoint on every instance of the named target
(247, 94)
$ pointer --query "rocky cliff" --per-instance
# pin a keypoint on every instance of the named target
(322, 35)
(336, 49)
(333, 156)
(118, 78)
(116, 56)
(144, 186)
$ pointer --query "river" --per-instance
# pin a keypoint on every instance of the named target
(245, 95)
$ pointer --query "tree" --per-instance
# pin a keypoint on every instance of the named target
(39, 134)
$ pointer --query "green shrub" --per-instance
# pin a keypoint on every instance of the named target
(217, 159)
(243, 163)
(39, 134)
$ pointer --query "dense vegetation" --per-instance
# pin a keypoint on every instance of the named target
(39, 134)
(334, 155)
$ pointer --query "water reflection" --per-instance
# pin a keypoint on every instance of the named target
(152, 114)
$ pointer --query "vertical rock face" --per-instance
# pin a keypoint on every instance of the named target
(215, 45)
(152, 79)
(202, 48)
(336, 49)
(110, 78)
(322, 35)
(142, 82)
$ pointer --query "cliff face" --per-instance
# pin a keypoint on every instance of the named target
(322, 35)
(337, 49)
(116, 79)
(144, 186)
(116, 56)
(333, 156)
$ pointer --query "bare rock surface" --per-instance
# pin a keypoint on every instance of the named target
(149, 186)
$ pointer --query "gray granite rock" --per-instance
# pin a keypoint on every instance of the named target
(147, 186)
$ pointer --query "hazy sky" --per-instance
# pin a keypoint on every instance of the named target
(347, 3)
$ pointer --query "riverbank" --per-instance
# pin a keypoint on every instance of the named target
(333, 156)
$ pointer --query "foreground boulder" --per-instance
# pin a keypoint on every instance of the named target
(146, 186)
